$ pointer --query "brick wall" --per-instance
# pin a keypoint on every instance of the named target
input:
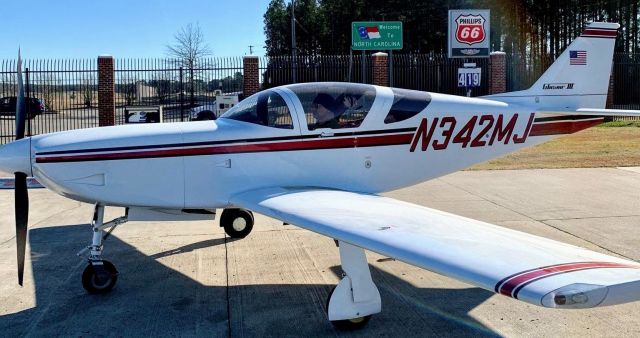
(106, 91)
(381, 69)
(251, 75)
(497, 73)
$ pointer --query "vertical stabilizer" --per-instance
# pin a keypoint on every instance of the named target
(578, 78)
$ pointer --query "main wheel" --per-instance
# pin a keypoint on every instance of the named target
(98, 283)
(347, 324)
(237, 223)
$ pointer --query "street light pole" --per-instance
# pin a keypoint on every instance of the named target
(293, 41)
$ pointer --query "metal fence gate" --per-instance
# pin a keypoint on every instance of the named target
(174, 85)
(68, 89)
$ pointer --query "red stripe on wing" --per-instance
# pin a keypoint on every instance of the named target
(508, 286)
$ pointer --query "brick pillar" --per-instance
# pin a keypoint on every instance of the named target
(381, 69)
(497, 72)
(106, 91)
(251, 75)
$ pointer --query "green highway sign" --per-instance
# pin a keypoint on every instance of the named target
(376, 35)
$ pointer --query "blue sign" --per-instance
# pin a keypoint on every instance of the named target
(469, 77)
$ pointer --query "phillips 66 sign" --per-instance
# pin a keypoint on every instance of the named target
(468, 33)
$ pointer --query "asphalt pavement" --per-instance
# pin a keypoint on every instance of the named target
(188, 279)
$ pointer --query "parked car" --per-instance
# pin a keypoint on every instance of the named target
(35, 106)
(211, 111)
(204, 112)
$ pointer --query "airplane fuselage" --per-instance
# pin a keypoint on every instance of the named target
(203, 164)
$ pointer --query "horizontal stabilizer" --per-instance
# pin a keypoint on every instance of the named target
(608, 112)
(593, 112)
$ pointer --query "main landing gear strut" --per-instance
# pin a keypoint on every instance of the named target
(100, 276)
(352, 302)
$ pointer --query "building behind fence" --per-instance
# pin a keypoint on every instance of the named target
(71, 88)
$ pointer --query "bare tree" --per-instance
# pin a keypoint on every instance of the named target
(87, 92)
(163, 85)
(189, 49)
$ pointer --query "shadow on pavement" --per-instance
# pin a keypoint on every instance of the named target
(194, 246)
(151, 299)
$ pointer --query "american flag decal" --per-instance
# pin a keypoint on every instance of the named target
(578, 57)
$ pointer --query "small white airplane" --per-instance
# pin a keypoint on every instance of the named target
(317, 154)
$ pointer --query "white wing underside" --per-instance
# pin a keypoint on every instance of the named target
(527, 267)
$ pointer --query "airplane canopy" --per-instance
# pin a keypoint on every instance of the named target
(328, 105)
(334, 105)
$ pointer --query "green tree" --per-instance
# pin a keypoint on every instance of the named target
(277, 29)
(532, 28)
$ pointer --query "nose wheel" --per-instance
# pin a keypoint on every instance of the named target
(99, 277)
(237, 223)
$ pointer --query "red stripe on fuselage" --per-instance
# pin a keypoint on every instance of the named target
(538, 129)
(563, 127)
(317, 144)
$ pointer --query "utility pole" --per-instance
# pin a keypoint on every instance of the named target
(293, 41)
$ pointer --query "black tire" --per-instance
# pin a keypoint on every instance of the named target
(92, 283)
(237, 223)
(347, 324)
(206, 115)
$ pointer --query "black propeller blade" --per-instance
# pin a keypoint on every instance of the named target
(22, 217)
(21, 194)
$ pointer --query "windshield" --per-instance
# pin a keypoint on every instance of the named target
(266, 108)
(335, 105)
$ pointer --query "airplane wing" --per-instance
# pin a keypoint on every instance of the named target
(519, 265)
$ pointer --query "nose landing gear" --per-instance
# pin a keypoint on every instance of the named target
(100, 276)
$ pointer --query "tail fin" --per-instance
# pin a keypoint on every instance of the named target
(579, 78)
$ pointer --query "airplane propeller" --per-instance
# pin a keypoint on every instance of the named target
(21, 194)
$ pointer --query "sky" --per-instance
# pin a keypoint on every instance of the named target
(68, 29)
